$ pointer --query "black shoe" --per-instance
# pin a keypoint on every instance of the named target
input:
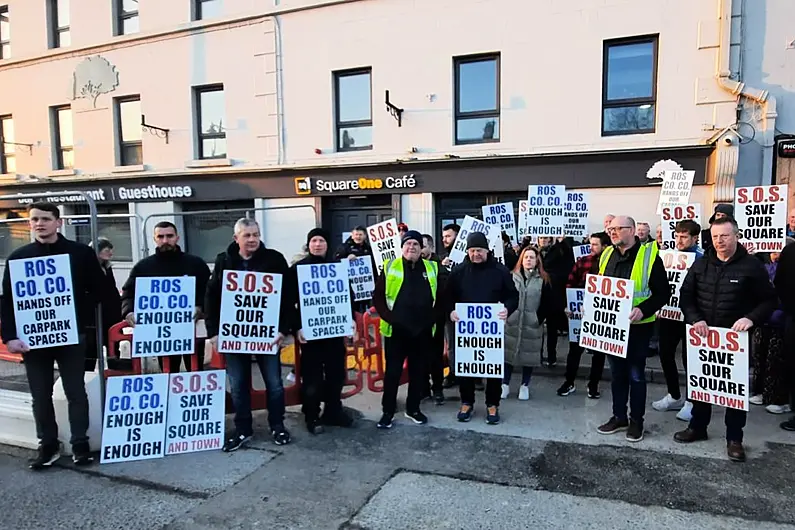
(634, 432)
(385, 422)
(479, 386)
(314, 427)
(613, 425)
(280, 435)
(417, 417)
(593, 393)
(449, 382)
(47, 456)
(235, 442)
(438, 397)
(788, 425)
(81, 454)
(336, 419)
(566, 389)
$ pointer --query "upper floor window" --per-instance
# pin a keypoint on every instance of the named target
(629, 92)
(209, 104)
(8, 162)
(127, 17)
(353, 110)
(204, 9)
(5, 33)
(63, 137)
(128, 113)
(60, 34)
(477, 99)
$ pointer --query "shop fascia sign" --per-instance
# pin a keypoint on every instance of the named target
(306, 185)
(151, 192)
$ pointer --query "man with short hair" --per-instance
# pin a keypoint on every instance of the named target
(449, 235)
(436, 360)
(643, 231)
(658, 236)
(428, 251)
(728, 288)
(248, 253)
(169, 261)
(607, 220)
(87, 285)
(722, 210)
(355, 246)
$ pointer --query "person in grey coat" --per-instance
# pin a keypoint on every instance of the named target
(523, 329)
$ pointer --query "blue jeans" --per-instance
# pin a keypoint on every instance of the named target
(629, 375)
(238, 368)
(527, 373)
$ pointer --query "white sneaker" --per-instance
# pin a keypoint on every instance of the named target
(686, 414)
(505, 391)
(668, 403)
(778, 409)
(757, 400)
(524, 393)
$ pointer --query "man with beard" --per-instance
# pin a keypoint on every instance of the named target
(449, 235)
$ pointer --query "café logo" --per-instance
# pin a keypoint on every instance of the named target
(305, 185)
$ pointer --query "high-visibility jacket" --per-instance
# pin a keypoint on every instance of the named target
(394, 281)
(641, 272)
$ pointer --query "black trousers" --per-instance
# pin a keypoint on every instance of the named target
(466, 387)
(322, 376)
(672, 332)
(397, 348)
(735, 420)
(573, 364)
(436, 359)
(39, 366)
(556, 321)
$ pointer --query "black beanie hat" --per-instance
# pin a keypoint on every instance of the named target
(411, 234)
(318, 232)
(724, 208)
(477, 240)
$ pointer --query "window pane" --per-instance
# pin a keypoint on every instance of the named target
(132, 155)
(209, 8)
(10, 164)
(5, 51)
(68, 158)
(208, 234)
(129, 6)
(478, 129)
(64, 38)
(212, 111)
(14, 231)
(5, 27)
(130, 26)
(7, 135)
(629, 119)
(354, 97)
(65, 127)
(115, 229)
(63, 13)
(130, 116)
(214, 148)
(355, 138)
(630, 71)
(477, 86)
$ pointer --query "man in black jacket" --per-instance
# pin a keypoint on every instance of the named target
(727, 288)
(785, 287)
(449, 235)
(355, 246)
(167, 261)
(248, 253)
(480, 279)
(87, 277)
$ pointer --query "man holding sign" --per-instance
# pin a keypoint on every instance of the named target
(50, 292)
(728, 288)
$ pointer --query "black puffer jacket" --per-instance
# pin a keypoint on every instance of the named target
(721, 293)
(489, 282)
(349, 247)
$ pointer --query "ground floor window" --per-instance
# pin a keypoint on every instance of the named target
(113, 223)
(14, 231)
(207, 234)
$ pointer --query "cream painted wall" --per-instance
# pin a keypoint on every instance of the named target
(285, 228)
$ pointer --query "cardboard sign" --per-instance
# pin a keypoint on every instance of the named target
(163, 311)
(575, 299)
(605, 319)
(360, 274)
(196, 412)
(135, 418)
(385, 242)
(471, 224)
(250, 306)
(761, 213)
(717, 367)
(325, 298)
(521, 228)
(576, 214)
(44, 301)
(676, 266)
(502, 216)
(546, 212)
(580, 251)
(676, 188)
(673, 214)
(479, 341)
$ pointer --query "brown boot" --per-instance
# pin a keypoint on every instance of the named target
(735, 451)
(689, 436)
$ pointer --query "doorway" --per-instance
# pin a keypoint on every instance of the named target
(342, 214)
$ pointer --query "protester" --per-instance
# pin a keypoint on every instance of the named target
(480, 279)
(672, 332)
(248, 253)
(722, 210)
(88, 280)
(727, 288)
(449, 235)
(169, 261)
(791, 223)
(523, 332)
(785, 288)
(428, 250)
(110, 300)
(509, 255)
(658, 237)
(607, 220)
(436, 358)
(643, 231)
(355, 246)
(405, 297)
(558, 258)
(629, 259)
(586, 265)
(402, 229)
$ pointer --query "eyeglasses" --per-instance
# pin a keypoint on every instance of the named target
(615, 228)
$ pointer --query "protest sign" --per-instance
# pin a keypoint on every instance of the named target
(345, 236)
(44, 304)
(479, 341)
(471, 224)
(250, 306)
(134, 425)
(546, 214)
(676, 188)
(673, 214)
(605, 319)
(676, 266)
(761, 213)
(164, 309)
(196, 409)
(576, 208)
(385, 242)
(360, 274)
(717, 367)
(325, 298)
(580, 251)
(502, 216)
(521, 225)
(575, 299)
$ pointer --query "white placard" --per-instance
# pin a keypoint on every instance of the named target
(498, 248)
(471, 224)
(761, 213)
(673, 214)
(575, 299)
(479, 341)
(717, 367)
(134, 425)
(676, 266)
(360, 273)
(196, 412)
(345, 236)
(580, 251)
(325, 298)
(502, 216)
(577, 207)
(385, 242)
(605, 319)
(676, 188)
(44, 302)
(546, 212)
(250, 307)
(164, 309)
(521, 228)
